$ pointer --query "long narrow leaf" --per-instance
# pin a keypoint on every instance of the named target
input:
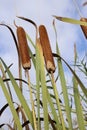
(78, 106)
(19, 95)
(54, 112)
(63, 84)
(43, 85)
(44, 94)
(70, 20)
(38, 84)
(84, 89)
(10, 104)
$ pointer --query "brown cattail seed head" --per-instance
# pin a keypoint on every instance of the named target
(47, 52)
(84, 28)
(23, 48)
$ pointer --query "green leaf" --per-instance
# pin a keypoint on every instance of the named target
(79, 111)
(12, 108)
(63, 84)
(70, 20)
(44, 92)
(19, 95)
(38, 85)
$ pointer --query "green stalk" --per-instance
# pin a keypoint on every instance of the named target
(38, 85)
(57, 101)
(32, 101)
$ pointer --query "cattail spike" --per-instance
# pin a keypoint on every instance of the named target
(84, 28)
(47, 52)
(23, 48)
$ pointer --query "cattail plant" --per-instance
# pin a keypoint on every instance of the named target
(84, 28)
(47, 52)
(26, 63)
(50, 65)
(23, 47)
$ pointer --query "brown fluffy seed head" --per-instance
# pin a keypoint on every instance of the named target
(84, 28)
(47, 52)
(23, 48)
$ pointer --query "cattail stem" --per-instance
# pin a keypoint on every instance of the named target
(31, 98)
(57, 99)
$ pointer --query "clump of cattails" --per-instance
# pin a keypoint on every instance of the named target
(23, 48)
(84, 28)
(47, 52)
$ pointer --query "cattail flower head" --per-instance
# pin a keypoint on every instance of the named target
(84, 28)
(23, 48)
(47, 52)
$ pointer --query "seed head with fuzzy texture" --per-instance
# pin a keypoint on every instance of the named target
(23, 48)
(84, 28)
(47, 52)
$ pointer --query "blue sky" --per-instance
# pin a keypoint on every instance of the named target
(41, 12)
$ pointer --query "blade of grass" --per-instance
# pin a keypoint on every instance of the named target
(44, 98)
(54, 112)
(58, 102)
(38, 92)
(28, 20)
(75, 75)
(32, 100)
(19, 63)
(77, 99)
(79, 111)
(38, 84)
(43, 87)
(63, 84)
(19, 95)
(32, 57)
(30, 40)
(10, 104)
(24, 118)
(4, 76)
(70, 20)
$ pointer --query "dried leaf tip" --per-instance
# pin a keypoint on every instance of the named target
(84, 28)
(84, 4)
(47, 52)
(57, 17)
(23, 48)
